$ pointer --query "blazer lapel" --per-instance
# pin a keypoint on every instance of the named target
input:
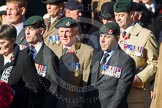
(39, 56)
(95, 67)
(21, 37)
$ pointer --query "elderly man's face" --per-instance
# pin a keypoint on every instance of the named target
(67, 36)
(53, 9)
(6, 46)
(107, 42)
(75, 14)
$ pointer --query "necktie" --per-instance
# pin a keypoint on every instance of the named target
(64, 51)
(31, 53)
(150, 9)
(102, 63)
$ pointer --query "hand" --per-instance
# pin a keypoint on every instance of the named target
(152, 94)
(137, 82)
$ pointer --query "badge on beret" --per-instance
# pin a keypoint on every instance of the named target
(68, 24)
(110, 31)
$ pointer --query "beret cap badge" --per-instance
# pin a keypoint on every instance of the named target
(110, 31)
(68, 24)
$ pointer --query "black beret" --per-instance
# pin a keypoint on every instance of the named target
(107, 10)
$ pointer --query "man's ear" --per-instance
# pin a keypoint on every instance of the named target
(132, 13)
(23, 10)
(67, 12)
(41, 30)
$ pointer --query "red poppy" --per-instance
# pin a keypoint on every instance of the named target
(71, 51)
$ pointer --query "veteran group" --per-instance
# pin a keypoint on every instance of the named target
(81, 53)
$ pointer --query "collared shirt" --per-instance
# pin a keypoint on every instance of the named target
(53, 19)
(110, 53)
(152, 6)
(36, 49)
(129, 28)
(19, 28)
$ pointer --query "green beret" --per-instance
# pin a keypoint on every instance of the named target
(123, 6)
(35, 21)
(110, 28)
(66, 22)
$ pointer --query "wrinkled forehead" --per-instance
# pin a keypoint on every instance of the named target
(120, 13)
(106, 35)
(64, 29)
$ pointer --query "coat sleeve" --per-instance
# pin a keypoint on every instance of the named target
(124, 84)
(53, 73)
(87, 65)
(149, 71)
(30, 79)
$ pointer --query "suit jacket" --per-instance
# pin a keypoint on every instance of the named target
(21, 40)
(109, 90)
(23, 78)
(50, 62)
(157, 97)
(142, 47)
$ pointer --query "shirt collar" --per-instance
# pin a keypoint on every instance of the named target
(152, 5)
(38, 46)
(129, 28)
(19, 28)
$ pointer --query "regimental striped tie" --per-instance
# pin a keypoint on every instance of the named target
(102, 63)
(64, 51)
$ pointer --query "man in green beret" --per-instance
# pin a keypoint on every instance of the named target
(114, 68)
(141, 45)
(55, 12)
(46, 62)
(75, 59)
(106, 15)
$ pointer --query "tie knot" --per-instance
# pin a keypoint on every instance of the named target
(65, 50)
(106, 55)
(32, 49)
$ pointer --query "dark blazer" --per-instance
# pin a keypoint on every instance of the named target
(110, 91)
(48, 59)
(152, 20)
(23, 78)
(21, 40)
